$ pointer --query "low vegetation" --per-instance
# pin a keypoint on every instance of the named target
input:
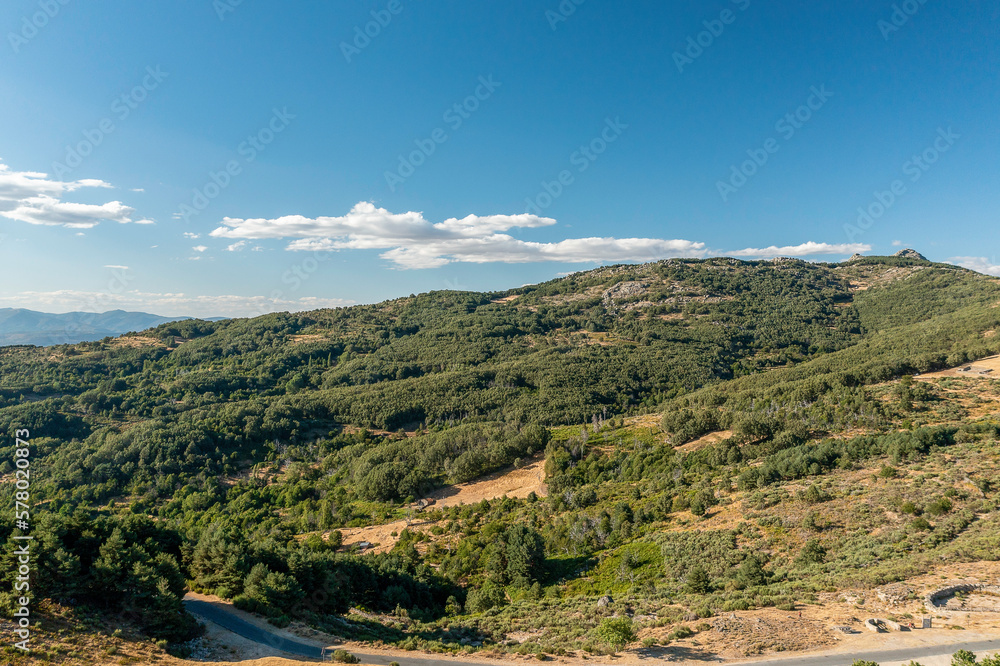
(226, 457)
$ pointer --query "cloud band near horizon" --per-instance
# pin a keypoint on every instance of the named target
(409, 241)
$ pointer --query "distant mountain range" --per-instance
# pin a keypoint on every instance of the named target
(27, 327)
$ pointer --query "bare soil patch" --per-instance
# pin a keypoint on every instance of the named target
(136, 341)
(508, 483)
(306, 337)
(748, 635)
(991, 363)
(706, 440)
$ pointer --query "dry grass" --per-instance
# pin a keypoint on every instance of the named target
(507, 483)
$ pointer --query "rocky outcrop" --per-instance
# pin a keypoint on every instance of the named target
(910, 254)
(623, 291)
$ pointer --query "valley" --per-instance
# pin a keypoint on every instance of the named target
(688, 460)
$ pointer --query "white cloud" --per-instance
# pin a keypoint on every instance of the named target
(199, 248)
(18, 185)
(166, 304)
(410, 241)
(116, 266)
(239, 246)
(978, 264)
(29, 196)
(897, 243)
(192, 236)
(803, 250)
(49, 211)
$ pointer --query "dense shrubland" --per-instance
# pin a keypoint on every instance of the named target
(215, 454)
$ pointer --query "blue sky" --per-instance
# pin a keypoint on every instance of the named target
(237, 157)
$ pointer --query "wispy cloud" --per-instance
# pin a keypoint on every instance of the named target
(116, 266)
(803, 250)
(32, 197)
(978, 264)
(239, 246)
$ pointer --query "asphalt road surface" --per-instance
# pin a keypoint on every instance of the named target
(252, 632)
(241, 627)
(883, 656)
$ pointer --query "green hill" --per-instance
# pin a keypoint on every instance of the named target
(217, 452)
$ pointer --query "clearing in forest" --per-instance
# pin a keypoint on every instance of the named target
(987, 368)
(510, 482)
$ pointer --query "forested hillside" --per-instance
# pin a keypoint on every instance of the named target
(225, 456)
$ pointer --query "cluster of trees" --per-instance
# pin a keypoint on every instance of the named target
(200, 449)
(286, 579)
(127, 567)
(401, 468)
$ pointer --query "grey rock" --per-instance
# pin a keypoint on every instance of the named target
(910, 254)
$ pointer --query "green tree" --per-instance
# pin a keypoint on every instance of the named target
(525, 551)
(963, 658)
(751, 572)
(616, 632)
(218, 562)
(698, 581)
(812, 552)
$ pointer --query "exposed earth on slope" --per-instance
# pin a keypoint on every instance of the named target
(518, 483)
(986, 368)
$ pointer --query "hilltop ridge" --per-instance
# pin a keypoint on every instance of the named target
(718, 437)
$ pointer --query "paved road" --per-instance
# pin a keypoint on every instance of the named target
(883, 656)
(241, 627)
